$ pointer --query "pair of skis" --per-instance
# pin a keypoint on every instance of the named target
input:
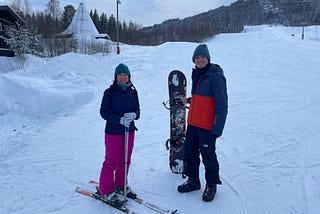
(91, 194)
(122, 207)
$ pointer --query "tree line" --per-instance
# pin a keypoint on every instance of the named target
(45, 25)
(198, 28)
(54, 20)
(230, 19)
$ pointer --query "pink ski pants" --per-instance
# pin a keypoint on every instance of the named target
(112, 173)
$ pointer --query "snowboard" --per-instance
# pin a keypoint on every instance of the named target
(177, 85)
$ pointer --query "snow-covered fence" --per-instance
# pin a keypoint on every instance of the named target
(59, 46)
(94, 46)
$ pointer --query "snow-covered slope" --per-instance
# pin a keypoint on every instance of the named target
(52, 134)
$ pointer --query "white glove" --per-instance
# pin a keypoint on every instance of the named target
(131, 116)
(125, 122)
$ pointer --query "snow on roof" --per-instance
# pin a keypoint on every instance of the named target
(82, 26)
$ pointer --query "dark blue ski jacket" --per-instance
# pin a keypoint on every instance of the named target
(209, 100)
(115, 102)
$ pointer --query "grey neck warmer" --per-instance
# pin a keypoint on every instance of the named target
(124, 85)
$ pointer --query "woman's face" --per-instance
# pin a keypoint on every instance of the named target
(201, 61)
(122, 78)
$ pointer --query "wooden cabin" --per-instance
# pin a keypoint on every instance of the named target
(8, 18)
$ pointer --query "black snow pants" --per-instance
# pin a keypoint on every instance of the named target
(201, 141)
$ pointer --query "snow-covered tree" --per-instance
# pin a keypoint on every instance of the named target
(27, 7)
(21, 6)
(67, 15)
(16, 5)
(53, 8)
(25, 41)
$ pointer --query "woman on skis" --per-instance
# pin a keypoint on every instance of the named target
(119, 107)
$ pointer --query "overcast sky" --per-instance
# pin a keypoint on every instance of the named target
(145, 12)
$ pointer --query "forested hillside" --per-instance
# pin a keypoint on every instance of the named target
(231, 19)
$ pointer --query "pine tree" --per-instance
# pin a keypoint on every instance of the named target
(67, 16)
(25, 41)
(112, 27)
(95, 19)
(103, 23)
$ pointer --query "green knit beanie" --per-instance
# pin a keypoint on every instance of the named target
(121, 68)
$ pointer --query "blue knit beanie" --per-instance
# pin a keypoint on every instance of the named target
(121, 68)
(201, 50)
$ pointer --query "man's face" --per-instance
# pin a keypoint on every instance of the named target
(201, 61)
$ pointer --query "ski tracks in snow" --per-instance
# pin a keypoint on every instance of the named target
(268, 154)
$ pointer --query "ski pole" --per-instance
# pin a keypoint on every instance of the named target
(126, 142)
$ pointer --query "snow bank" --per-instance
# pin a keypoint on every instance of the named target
(32, 97)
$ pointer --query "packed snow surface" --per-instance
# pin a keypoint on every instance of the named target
(52, 136)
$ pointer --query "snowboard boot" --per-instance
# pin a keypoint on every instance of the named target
(190, 185)
(209, 192)
(130, 193)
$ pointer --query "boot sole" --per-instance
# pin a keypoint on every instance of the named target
(185, 191)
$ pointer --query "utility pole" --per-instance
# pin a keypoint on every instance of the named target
(118, 48)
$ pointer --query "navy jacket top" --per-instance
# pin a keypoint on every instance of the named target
(115, 102)
(209, 100)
